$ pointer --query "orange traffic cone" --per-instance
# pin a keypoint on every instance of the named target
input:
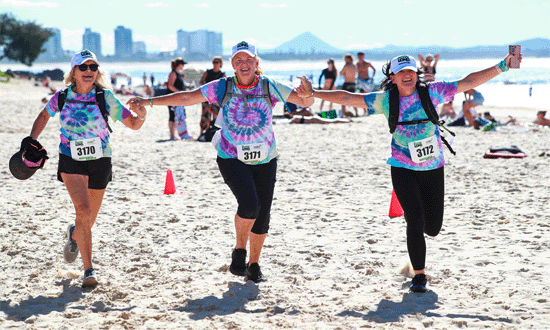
(395, 207)
(170, 185)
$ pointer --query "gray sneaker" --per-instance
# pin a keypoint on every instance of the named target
(70, 252)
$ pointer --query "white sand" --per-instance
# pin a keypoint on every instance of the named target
(333, 258)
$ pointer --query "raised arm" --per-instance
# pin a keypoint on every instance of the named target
(436, 57)
(475, 79)
(184, 98)
(339, 96)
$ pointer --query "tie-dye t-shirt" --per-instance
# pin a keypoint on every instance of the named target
(239, 126)
(411, 109)
(83, 121)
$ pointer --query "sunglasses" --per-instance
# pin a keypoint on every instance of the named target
(84, 67)
(216, 62)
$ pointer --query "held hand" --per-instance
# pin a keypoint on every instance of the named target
(136, 103)
(306, 88)
(140, 111)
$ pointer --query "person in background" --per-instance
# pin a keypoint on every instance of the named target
(176, 84)
(541, 120)
(85, 171)
(247, 152)
(210, 111)
(417, 160)
(427, 67)
(350, 76)
(330, 74)
(364, 79)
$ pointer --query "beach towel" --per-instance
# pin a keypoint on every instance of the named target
(504, 152)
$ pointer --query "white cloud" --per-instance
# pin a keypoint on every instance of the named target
(270, 6)
(157, 5)
(202, 5)
(19, 3)
(363, 46)
(156, 43)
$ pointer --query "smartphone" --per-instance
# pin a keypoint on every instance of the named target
(514, 50)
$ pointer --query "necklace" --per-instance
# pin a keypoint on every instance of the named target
(254, 83)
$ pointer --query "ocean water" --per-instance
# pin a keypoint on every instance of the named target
(507, 89)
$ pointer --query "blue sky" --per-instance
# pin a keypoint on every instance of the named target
(348, 25)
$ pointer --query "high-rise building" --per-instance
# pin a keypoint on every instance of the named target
(139, 48)
(92, 41)
(53, 45)
(123, 42)
(199, 42)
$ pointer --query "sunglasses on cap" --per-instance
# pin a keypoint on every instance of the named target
(84, 67)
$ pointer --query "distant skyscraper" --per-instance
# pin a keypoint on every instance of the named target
(199, 42)
(139, 48)
(92, 41)
(53, 45)
(123, 42)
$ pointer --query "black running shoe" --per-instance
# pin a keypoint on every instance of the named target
(238, 262)
(253, 273)
(90, 278)
(419, 283)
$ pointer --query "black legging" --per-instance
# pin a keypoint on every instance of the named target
(253, 186)
(421, 195)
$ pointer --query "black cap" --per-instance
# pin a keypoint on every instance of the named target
(19, 169)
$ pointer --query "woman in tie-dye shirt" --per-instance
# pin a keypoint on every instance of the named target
(84, 152)
(417, 159)
(247, 152)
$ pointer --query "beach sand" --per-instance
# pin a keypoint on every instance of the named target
(333, 257)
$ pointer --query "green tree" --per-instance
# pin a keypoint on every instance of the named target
(21, 41)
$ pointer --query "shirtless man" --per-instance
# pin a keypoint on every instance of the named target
(364, 80)
(349, 72)
(541, 120)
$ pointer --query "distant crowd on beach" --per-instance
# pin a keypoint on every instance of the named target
(358, 76)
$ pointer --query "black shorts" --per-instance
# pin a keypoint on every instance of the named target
(99, 171)
(171, 113)
(350, 87)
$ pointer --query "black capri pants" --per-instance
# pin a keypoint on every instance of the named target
(421, 195)
(253, 186)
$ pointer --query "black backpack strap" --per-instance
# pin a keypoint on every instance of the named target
(61, 98)
(429, 108)
(100, 99)
(265, 92)
(228, 91)
(393, 116)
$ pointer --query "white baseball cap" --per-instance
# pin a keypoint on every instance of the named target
(82, 57)
(402, 62)
(244, 46)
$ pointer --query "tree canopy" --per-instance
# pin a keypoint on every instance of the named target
(21, 41)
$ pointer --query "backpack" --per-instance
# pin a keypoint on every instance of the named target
(99, 100)
(429, 109)
(265, 94)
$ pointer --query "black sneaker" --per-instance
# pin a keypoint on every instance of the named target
(253, 273)
(238, 262)
(419, 283)
(90, 278)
